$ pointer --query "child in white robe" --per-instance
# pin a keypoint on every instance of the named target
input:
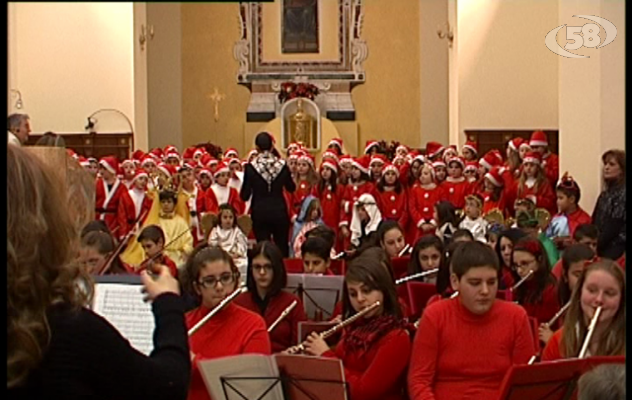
(230, 238)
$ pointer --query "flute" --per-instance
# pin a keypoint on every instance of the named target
(339, 255)
(523, 280)
(551, 322)
(559, 314)
(591, 330)
(334, 329)
(283, 315)
(455, 294)
(217, 309)
(404, 250)
(417, 275)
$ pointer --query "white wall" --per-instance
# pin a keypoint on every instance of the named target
(591, 97)
(507, 78)
(70, 60)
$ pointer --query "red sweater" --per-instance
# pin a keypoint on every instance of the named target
(460, 355)
(285, 334)
(232, 331)
(546, 308)
(576, 218)
(553, 350)
(378, 373)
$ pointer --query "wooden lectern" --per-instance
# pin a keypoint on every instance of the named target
(78, 184)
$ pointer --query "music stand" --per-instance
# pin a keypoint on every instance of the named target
(312, 378)
(257, 377)
(319, 293)
(554, 380)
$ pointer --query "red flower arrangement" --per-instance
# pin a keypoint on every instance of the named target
(291, 90)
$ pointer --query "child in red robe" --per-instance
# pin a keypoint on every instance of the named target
(306, 180)
(393, 198)
(456, 187)
(220, 193)
(421, 201)
(329, 192)
(533, 185)
(109, 191)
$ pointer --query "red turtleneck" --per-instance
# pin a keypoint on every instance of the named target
(379, 372)
(232, 331)
(460, 355)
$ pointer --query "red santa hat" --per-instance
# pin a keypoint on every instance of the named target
(127, 161)
(369, 145)
(187, 166)
(206, 171)
(515, 143)
(336, 142)
(432, 170)
(362, 163)
(199, 151)
(489, 160)
(188, 153)
(433, 149)
(390, 167)
(92, 159)
(346, 159)
(378, 159)
(402, 147)
(472, 146)
(331, 155)
(167, 169)
(83, 161)
(110, 163)
(140, 173)
(172, 154)
(452, 150)
(471, 166)
(170, 149)
(307, 158)
(327, 163)
(438, 163)
(251, 154)
(233, 160)
(294, 146)
(156, 153)
(294, 155)
(221, 168)
(231, 152)
(494, 175)
(147, 160)
(532, 157)
(457, 159)
(538, 138)
(205, 159)
(399, 158)
(415, 155)
(72, 153)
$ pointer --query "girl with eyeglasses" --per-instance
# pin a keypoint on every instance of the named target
(538, 294)
(265, 279)
(211, 275)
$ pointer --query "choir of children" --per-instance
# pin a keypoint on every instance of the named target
(427, 202)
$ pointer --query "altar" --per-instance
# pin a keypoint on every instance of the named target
(322, 51)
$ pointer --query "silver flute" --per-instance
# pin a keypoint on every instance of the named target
(417, 275)
(217, 309)
(283, 315)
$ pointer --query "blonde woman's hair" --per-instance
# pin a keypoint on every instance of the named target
(41, 248)
(613, 341)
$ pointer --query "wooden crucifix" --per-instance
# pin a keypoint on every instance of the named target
(216, 97)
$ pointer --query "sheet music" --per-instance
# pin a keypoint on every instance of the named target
(319, 293)
(255, 366)
(123, 306)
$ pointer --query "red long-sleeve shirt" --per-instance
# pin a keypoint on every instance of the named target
(545, 309)
(285, 334)
(232, 331)
(380, 372)
(460, 355)
(553, 350)
(551, 165)
(544, 194)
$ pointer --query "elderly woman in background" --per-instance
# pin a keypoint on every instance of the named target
(609, 213)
